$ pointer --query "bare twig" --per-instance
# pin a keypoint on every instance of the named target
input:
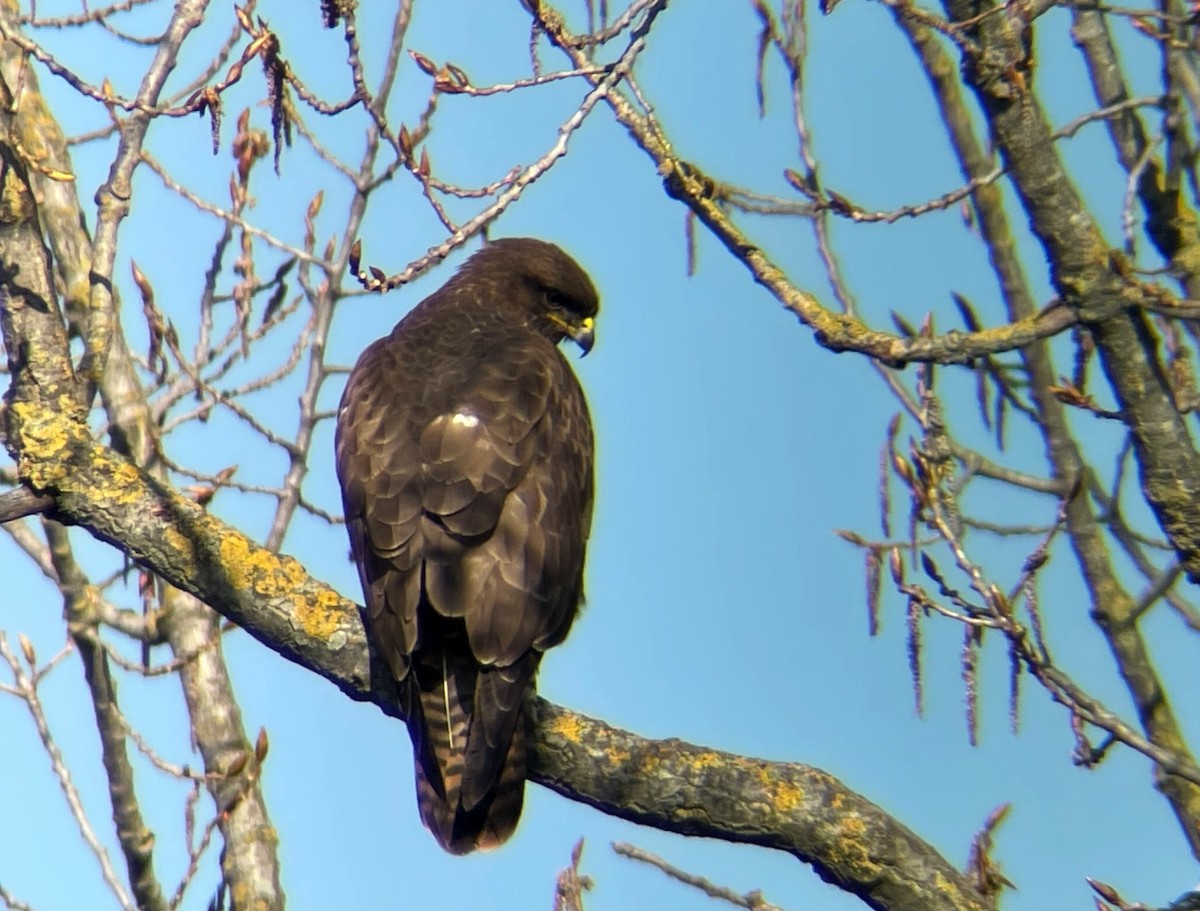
(751, 901)
(26, 689)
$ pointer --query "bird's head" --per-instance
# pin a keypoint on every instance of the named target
(554, 294)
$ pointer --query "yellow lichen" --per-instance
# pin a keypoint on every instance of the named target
(180, 543)
(568, 726)
(784, 796)
(850, 848)
(853, 826)
(942, 885)
(252, 567)
(321, 615)
(787, 796)
(125, 481)
(42, 442)
(16, 205)
(125, 473)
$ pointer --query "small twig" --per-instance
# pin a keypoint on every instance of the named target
(474, 91)
(375, 280)
(752, 901)
(1128, 218)
(193, 866)
(1113, 897)
(1159, 587)
(1072, 127)
(570, 885)
(13, 904)
(27, 691)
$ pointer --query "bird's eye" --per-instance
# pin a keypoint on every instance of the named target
(555, 300)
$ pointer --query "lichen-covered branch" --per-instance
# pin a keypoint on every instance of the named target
(673, 785)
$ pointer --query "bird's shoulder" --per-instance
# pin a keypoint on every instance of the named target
(480, 410)
(432, 366)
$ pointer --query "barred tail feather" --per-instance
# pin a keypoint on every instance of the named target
(502, 811)
(464, 814)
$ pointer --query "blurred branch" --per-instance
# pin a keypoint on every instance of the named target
(19, 503)
(752, 901)
(13, 904)
(571, 884)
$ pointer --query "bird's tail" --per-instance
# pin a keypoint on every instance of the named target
(469, 738)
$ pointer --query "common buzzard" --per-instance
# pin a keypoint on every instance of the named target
(464, 451)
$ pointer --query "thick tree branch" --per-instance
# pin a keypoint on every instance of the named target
(119, 493)
(1170, 222)
(250, 862)
(1085, 532)
(1088, 280)
(793, 808)
(804, 811)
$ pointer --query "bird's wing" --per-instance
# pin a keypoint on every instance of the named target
(506, 500)
(379, 468)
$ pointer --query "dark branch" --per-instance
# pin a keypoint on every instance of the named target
(22, 502)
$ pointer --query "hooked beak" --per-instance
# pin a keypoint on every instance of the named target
(584, 335)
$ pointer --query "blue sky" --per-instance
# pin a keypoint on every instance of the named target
(722, 608)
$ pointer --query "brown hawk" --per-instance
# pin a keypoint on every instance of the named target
(464, 451)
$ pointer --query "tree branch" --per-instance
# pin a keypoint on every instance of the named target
(135, 837)
(22, 502)
(835, 331)
(808, 813)
(1089, 278)
(47, 406)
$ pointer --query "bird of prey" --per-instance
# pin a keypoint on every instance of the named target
(465, 452)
